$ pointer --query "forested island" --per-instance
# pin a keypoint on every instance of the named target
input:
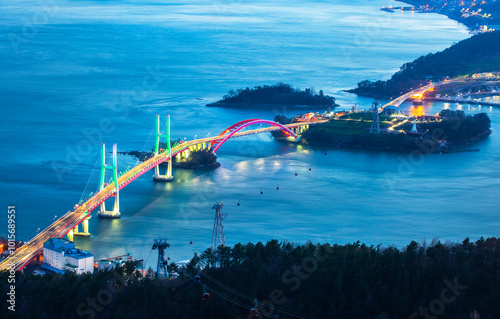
(199, 159)
(480, 53)
(428, 280)
(277, 95)
(435, 134)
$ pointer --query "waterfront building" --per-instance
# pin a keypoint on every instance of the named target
(60, 255)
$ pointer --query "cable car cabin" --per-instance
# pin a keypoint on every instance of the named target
(254, 312)
(197, 278)
(206, 296)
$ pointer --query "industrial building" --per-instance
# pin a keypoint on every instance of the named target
(60, 255)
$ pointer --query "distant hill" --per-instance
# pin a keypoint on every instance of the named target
(279, 94)
(480, 53)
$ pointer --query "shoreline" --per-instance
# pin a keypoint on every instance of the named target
(472, 102)
(471, 25)
(388, 149)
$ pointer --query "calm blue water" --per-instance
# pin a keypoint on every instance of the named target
(87, 72)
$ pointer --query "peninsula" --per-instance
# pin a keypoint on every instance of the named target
(395, 132)
(476, 14)
(480, 53)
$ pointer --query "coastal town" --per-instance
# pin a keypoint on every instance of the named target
(478, 15)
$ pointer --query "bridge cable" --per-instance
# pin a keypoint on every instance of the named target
(85, 196)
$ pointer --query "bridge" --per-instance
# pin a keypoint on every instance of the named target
(67, 225)
(418, 93)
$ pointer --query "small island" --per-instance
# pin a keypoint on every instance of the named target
(277, 95)
(426, 134)
(478, 54)
(199, 159)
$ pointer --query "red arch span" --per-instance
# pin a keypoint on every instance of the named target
(240, 125)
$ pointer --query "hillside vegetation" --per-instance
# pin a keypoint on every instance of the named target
(278, 94)
(444, 280)
(480, 53)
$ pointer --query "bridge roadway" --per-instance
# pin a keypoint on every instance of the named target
(480, 76)
(422, 89)
(59, 228)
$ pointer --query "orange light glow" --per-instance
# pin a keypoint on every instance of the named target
(417, 111)
(431, 89)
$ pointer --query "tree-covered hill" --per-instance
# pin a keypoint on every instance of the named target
(436, 280)
(271, 95)
(480, 53)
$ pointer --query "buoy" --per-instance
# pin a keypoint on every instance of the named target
(309, 168)
(261, 191)
(278, 187)
(238, 203)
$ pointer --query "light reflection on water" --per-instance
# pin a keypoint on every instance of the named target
(71, 75)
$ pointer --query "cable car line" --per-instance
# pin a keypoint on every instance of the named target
(278, 309)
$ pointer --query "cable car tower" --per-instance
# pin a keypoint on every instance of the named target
(218, 237)
(161, 269)
(375, 121)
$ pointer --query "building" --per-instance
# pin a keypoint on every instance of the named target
(60, 255)
(113, 262)
(391, 109)
(109, 264)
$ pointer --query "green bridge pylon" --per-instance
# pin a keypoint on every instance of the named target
(168, 176)
(115, 213)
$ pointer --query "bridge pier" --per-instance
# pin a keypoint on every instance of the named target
(186, 154)
(115, 213)
(164, 178)
(70, 235)
(85, 232)
(168, 176)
